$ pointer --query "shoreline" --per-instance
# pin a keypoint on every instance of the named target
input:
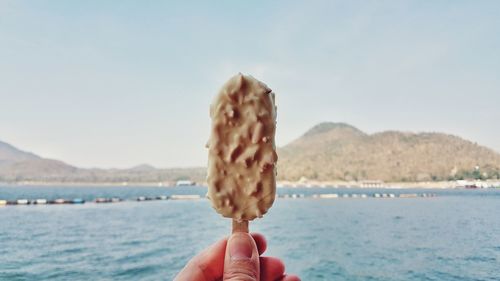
(280, 184)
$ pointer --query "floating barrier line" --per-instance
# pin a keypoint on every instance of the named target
(185, 197)
(101, 200)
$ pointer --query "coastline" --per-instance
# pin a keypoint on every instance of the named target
(393, 185)
(280, 184)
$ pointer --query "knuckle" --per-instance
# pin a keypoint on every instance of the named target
(241, 272)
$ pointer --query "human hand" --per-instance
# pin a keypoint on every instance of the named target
(235, 258)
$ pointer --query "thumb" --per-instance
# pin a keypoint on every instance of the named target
(242, 258)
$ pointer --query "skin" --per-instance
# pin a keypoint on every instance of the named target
(212, 264)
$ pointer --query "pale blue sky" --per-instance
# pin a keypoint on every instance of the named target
(119, 83)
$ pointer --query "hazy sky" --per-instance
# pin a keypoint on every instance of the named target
(119, 83)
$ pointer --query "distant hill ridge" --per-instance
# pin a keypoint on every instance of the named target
(17, 165)
(340, 151)
(328, 151)
(9, 154)
(330, 126)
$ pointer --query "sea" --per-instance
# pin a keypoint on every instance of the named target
(450, 234)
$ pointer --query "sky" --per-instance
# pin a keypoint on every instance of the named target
(121, 83)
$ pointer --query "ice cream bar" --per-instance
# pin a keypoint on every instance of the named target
(242, 153)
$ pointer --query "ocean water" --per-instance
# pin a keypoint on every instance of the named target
(453, 236)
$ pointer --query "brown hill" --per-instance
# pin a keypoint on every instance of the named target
(10, 154)
(328, 151)
(338, 151)
(17, 165)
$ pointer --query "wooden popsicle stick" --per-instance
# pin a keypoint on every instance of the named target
(240, 226)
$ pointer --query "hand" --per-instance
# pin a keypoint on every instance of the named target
(236, 258)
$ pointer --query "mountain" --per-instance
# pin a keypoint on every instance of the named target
(17, 165)
(143, 168)
(338, 151)
(10, 154)
(328, 151)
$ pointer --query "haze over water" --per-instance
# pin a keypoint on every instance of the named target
(453, 236)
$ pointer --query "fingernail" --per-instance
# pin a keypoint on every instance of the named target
(240, 246)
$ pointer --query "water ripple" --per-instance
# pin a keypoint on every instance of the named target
(450, 237)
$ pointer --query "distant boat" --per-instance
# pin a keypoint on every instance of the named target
(471, 184)
(185, 183)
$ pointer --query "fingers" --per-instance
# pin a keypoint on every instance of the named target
(261, 242)
(207, 265)
(241, 261)
(271, 268)
(290, 278)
